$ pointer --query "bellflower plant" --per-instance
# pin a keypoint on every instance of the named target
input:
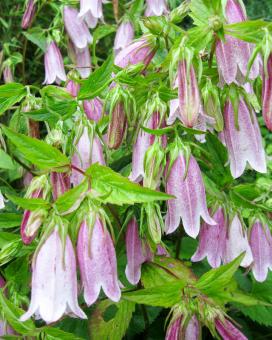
(135, 185)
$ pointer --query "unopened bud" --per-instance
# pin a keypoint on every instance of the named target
(117, 126)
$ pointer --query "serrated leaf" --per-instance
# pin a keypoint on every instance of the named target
(11, 94)
(10, 220)
(41, 154)
(216, 279)
(71, 198)
(117, 189)
(97, 81)
(29, 203)
(162, 296)
(260, 314)
(110, 320)
(6, 238)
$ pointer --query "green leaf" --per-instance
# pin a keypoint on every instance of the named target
(97, 81)
(41, 154)
(117, 189)
(163, 270)
(5, 161)
(12, 314)
(71, 198)
(6, 238)
(217, 279)
(110, 320)
(251, 31)
(29, 203)
(37, 36)
(260, 314)
(162, 296)
(58, 334)
(10, 94)
(10, 220)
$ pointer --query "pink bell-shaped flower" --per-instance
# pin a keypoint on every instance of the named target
(54, 68)
(212, 240)
(237, 243)
(155, 8)
(124, 36)
(54, 281)
(189, 97)
(72, 88)
(233, 54)
(190, 202)
(137, 252)
(228, 331)
(83, 62)
(97, 262)
(92, 7)
(267, 94)
(87, 152)
(76, 28)
(260, 241)
(139, 51)
(243, 144)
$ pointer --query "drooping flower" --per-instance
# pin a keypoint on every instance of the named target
(139, 51)
(237, 243)
(228, 331)
(87, 151)
(124, 36)
(143, 142)
(189, 97)
(137, 252)
(233, 54)
(190, 202)
(28, 14)
(155, 8)
(54, 281)
(72, 88)
(261, 246)
(32, 220)
(83, 62)
(76, 28)
(54, 68)
(94, 7)
(267, 94)
(243, 144)
(212, 240)
(93, 109)
(60, 182)
(97, 261)
(177, 330)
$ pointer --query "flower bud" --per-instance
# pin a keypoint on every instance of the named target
(139, 51)
(117, 126)
(7, 74)
(267, 94)
(28, 14)
(93, 109)
(73, 88)
(32, 220)
(60, 182)
(54, 68)
(228, 331)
